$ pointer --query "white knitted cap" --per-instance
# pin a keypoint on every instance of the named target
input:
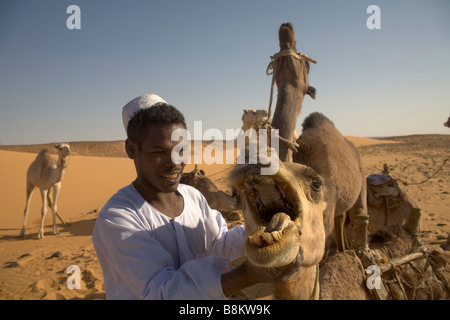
(142, 102)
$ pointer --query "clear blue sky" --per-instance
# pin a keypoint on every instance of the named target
(208, 58)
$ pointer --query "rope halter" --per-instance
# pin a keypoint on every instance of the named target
(272, 67)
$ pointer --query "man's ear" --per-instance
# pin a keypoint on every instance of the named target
(130, 148)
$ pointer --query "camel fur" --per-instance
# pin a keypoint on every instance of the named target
(46, 173)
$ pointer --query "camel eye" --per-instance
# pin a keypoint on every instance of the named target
(316, 184)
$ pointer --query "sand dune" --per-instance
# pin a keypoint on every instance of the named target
(36, 269)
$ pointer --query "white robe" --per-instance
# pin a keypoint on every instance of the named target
(144, 254)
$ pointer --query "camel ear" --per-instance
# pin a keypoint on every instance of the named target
(245, 111)
(130, 148)
(312, 92)
(58, 146)
(202, 172)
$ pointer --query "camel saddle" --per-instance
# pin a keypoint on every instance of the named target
(383, 186)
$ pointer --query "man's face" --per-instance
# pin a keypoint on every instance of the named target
(155, 170)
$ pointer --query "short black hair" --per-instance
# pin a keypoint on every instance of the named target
(159, 114)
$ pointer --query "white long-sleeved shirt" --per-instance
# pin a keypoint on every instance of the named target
(144, 254)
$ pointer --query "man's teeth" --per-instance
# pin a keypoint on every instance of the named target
(173, 176)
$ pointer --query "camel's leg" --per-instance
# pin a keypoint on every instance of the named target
(359, 218)
(50, 205)
(56, 189)
(44, 193)
(29, 192)
(49, 198)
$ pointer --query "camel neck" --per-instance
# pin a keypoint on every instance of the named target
(62, 163)
(308, 277)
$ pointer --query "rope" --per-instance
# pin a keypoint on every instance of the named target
(316, 284)
(272, 66)
(417, 183)
(271, 70)
(266, 124)
(313, 294)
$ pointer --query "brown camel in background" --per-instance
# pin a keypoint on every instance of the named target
(216, 198)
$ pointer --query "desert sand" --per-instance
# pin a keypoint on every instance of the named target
(37, 269)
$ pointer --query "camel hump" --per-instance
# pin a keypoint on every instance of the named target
(43, 152)
(315, 120)
(44, 158)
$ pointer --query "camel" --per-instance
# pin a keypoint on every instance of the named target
(255, 119)
(387, 204)
(217, 199)
(407, 270)
(46, 173)
(290, 72)
(249, 117)
(294, 210)
(323, 148)
(447, 124)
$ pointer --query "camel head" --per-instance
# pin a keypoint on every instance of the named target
(250, 117)
(282, 212)
(191, 177)
(447, 124)
(286, 36)
(63, 149)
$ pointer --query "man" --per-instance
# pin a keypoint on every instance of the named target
(159, 239)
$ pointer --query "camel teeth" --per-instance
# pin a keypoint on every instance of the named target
(276, 235)
(256, 240)
(267, 238)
